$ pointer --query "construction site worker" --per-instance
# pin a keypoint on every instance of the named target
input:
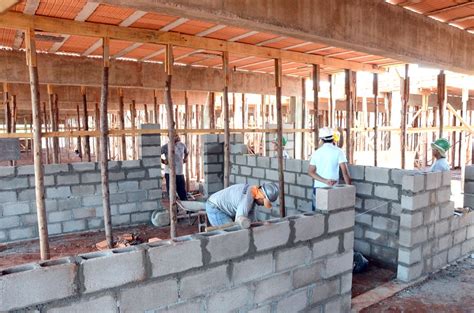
(275, 146)
(181, 157)
(439, 149)
(325, 163)
(237, 202)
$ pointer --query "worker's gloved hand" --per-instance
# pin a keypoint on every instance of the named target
(243, 222)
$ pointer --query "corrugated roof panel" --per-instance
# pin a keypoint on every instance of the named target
(284, 43)
(143, 51)
(154, 21)
(193, 27)
(228, 33)
(7, 36)
(59, 8)
(19, 7)
(257, 38)
(118, 45)
(107, 14)
(77, 44)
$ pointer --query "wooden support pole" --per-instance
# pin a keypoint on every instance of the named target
(316, 77)
(463, 141)
(156, 108)
(281, 178)
(85, 123)
(243, 110)
(133, 116)
(348, 113)
(331, 103)
(56, 146)
(403, 134)
(79, 140)
(104, 130)
(187, 119)
(123, 142)
(6, 104)
(14, 113)
(375, 92)
(145, 109)
(37, 156)
(212, 119)
(171, 134)
(441, 100)
(225, 91)
(45, 118)
(303, 116)
(97, 128)
(52, 118)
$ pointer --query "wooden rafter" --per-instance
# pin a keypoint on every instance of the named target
(56, 25)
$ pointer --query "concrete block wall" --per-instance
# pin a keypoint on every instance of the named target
(378, 208)
(431, 236)
(469, 186)
(300, 263)
(74, 194)
(212, 154)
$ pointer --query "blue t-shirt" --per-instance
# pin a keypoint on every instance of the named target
(441, 165)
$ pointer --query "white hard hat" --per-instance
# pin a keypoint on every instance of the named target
(326, 133)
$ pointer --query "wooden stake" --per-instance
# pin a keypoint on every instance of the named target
(123, 142)
(171, 134)
(14, 113)
(45, 118)
(375, 91)
(79, 140)
(212, 118)
(146, 113)
(56, 146)
(52, 118)
(303, 116)
(6, 103)
(37, 156)
(405, 98)
(441, 100)
(104, 130)
(187, 118)
(225, 68)
(85, 122)
(348, 113)
(316, 76)
(331, 102)
(156, 108)
(97, 128)
(281, 178)
(133, 116)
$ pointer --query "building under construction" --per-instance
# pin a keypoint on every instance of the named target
(92, 90)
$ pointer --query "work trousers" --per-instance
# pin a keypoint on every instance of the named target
(180, 186)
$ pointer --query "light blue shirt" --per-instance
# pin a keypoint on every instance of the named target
(441, 165)
(327, 160)
(235, 201)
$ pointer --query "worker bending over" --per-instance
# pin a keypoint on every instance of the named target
(439, 149)
(325, 163)
(235, 203)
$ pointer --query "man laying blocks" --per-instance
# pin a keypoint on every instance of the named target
(235, 203)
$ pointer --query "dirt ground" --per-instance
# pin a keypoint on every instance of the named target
(450, 290)
(74, 244)
(375, 275)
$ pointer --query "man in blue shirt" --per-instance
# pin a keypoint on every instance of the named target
(439, 149)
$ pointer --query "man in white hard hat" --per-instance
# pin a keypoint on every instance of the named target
(237, 202)
(325, 163)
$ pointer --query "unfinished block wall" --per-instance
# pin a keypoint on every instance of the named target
(300, 263)
(73, 194)
(469, 187)
(378, 209)
(431, 236)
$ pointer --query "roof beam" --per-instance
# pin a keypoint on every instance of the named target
(461, 19)
(269, 41)
(248, 34)
(56, 25)
(443, 10)
(30, 9)
(82, 16)
(210, 30)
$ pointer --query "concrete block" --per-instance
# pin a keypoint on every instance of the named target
(28, 220)
(252, 269)
(467, 246)
(348, 241)
(174, 257)
(24, 170)
(22, 233)
(309, 227)
(459, 236)
(409, 256)
(151, 162)
(346, 283)
(103, 270)
(430, 215)
(150, 206)
(454, 253)
(258, 172)
(116, 176)
(17, 208)
(290, 178)
(241, 159)
(377, 174)
(293, 165)
(293, 303)
(415, 202)
(70, 179)
(73, 226)
(304, 180)
(384, 223)
(434, 180)
(363, 219)
(274, 163)
(245, 170)
(396, 209)
(325, 289)
(123, 219)
(357, 172)
(328, 199)
(84, 166)
(292, 257)
(272, 287)
(340, 220)
(13, 183)
(263, 162)
(204, 282)
(92, 200)
(307, 275)
(325, 247)
(363, 188)
(411, 220)
(138, 218)
(136, 196)
(271, 175)
(95, 223)
(118, 198)
(229, 300)
(443, 194)
(441, 228)
(297, 191)
(87, 178)
(128, 185)
(362, 246)
(148, 297)
(10, 196)
(375, 236)
(82, 190)
(58, 192)
(186, 307)
(228, 245)
(238, 149)
(303, 205)
(337, 264)
(9, 222)
(64, 204)
(154, 172)
(55, 229)
(24, 285)
(272, 235)
(445, 242)
(440, 260)
(56, 168)
(414, 183)
(397, 175)
(128, 208)
(412, 237)
(387, 192)
(446, 178)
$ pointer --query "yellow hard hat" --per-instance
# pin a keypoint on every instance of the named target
(336, 136)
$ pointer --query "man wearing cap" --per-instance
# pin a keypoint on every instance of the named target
(235, 203)
(325, 163)
(180, 157)
(439, 149)
(275, 146)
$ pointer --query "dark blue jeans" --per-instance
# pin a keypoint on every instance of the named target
(180, 186)
(314, 199)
